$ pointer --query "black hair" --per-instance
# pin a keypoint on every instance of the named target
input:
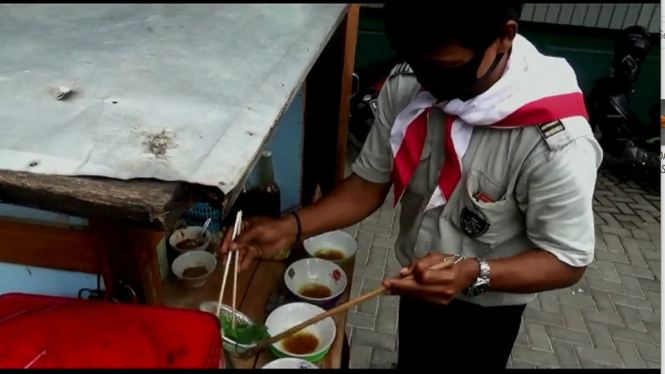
(414, 28)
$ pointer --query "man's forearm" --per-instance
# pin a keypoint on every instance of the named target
(530, 272)
(349, 203)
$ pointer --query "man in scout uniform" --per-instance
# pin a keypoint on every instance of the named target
(486, 144)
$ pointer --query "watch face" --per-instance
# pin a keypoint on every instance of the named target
(482, 282)
(481, 288)
(476, 289)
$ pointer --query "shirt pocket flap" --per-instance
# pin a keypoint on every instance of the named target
(486, 214)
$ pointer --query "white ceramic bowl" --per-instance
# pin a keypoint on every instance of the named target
(289, 315)
(334, 240)
(316, 271)
(289, 363)
(194, 259)
(189, 232)
(229, 345)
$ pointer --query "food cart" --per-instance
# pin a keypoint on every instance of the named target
(126, 114)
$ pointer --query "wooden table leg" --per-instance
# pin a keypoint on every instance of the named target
(130, 256)
(328, 101)
(348, 36)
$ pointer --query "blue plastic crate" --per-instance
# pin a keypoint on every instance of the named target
(200, 212)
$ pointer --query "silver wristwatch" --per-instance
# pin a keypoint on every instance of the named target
(482, 283)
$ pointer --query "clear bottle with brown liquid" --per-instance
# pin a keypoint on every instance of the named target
(264, 199)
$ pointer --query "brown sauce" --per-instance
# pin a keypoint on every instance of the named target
(188, 244)
(330, 254)
(195, 272)
(262, 202)
(301, 343)
(315, 291)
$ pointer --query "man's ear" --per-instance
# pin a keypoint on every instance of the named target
(507, 36)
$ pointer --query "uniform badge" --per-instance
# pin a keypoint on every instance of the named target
(373, 105)
(473, 223)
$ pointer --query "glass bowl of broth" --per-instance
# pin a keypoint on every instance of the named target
(316, 281)
(335, 246)
(311, 343)
(225, 312)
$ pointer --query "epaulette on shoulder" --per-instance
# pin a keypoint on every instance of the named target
(549, 129)
(555, 134)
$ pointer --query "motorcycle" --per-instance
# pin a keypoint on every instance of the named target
(631, 145)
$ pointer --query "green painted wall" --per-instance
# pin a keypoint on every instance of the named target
(590, 55)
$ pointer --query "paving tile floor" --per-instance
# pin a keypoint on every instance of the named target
(610, 319)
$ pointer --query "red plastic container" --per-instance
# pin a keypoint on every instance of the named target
(53, 332)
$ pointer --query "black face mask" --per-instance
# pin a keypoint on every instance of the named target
(446, 83)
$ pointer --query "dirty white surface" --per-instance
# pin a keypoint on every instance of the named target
(166, 91)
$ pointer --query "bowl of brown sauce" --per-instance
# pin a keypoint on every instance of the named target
(335, 246)
(311, 343)
(186, 239)
(194, 268)
(316, 281)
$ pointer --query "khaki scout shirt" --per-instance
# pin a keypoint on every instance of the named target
(541, 182)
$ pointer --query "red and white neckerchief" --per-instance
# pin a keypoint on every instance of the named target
(533, 89)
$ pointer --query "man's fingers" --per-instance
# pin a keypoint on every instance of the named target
(247, 255)
(406, 271)
(246, 237)
(226, 241)
(423, 267)
(409, 286)
(439, 277)
(428, 261)
(245, 260)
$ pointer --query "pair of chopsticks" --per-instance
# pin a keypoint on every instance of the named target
(449, 261)
(237, 227)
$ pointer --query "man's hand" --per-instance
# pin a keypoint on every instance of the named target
(260, 236)
(350, 202)
(437, 286)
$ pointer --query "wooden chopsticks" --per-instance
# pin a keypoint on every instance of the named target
(237, 227)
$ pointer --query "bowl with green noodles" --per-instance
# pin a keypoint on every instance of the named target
(241, 338)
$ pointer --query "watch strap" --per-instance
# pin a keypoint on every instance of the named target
(481, 284)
